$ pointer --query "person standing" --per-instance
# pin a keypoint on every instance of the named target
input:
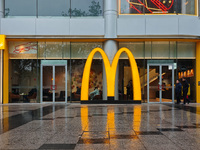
(185, 90)
(129, 89)
(178, 91)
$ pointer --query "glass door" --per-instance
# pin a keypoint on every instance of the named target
(160, 83)
(53, 82)
(47, 82)
(60, 86)
(167, 83)
(153, 85)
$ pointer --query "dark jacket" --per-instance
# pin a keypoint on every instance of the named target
(185, 87)
(178, 88)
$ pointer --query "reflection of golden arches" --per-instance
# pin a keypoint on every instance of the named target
(110, 73)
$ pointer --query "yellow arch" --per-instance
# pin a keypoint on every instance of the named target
(134, 70)
(111, 73)
(86, 72)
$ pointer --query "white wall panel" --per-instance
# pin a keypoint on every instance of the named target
(161, 25)
(60, 26)
(87, 26)
(18, 26)
(131, 25)
(189, 25)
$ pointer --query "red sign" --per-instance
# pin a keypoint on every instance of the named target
(53, 87)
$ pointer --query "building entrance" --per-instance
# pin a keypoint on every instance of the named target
(53, 81)
(160, 83)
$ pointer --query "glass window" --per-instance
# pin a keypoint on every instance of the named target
(157, 6)
(125, 86)
(86, 8)
(54, 8)
(23, 80)
(82, 50)
(79, 55)
(160, 50)
(186, 68)
(173, 51)
(186, 50)
(22, 50)
(20, 8)
(186, 7)
(137, 49)
(53, 50)
(148, 50)
(131, 7)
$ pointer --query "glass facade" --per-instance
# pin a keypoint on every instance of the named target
(27, 58)
(181, 54)
(158, 7)
(25, 70)
(78, 8)
(20, 8)
(53, 8)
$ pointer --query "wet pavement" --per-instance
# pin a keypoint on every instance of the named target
(76, 126)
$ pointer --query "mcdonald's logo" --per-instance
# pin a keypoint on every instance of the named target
(111, 73)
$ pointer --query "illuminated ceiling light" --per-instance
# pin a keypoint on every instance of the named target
(164, 2)
(170, 2)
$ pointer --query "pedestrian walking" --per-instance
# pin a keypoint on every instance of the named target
(185, 91)
(178, 91)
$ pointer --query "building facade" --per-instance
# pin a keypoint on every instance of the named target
(48, 42)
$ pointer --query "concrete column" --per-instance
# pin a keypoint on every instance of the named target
(110, 46)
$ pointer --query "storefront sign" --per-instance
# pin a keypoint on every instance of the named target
(22, 50)
(111, 73)
(2, 41)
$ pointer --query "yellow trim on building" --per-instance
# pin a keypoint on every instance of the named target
(2, 42)
(197, 72)
(111, 73)
(102, 40)
(6, 75)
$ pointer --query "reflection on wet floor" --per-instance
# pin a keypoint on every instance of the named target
(75, 126)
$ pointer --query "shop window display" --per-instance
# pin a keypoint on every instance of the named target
(95, 79)
(157, 7)
(23, 80)
(186, 69)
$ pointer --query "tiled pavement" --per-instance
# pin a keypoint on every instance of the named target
(75, 126)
